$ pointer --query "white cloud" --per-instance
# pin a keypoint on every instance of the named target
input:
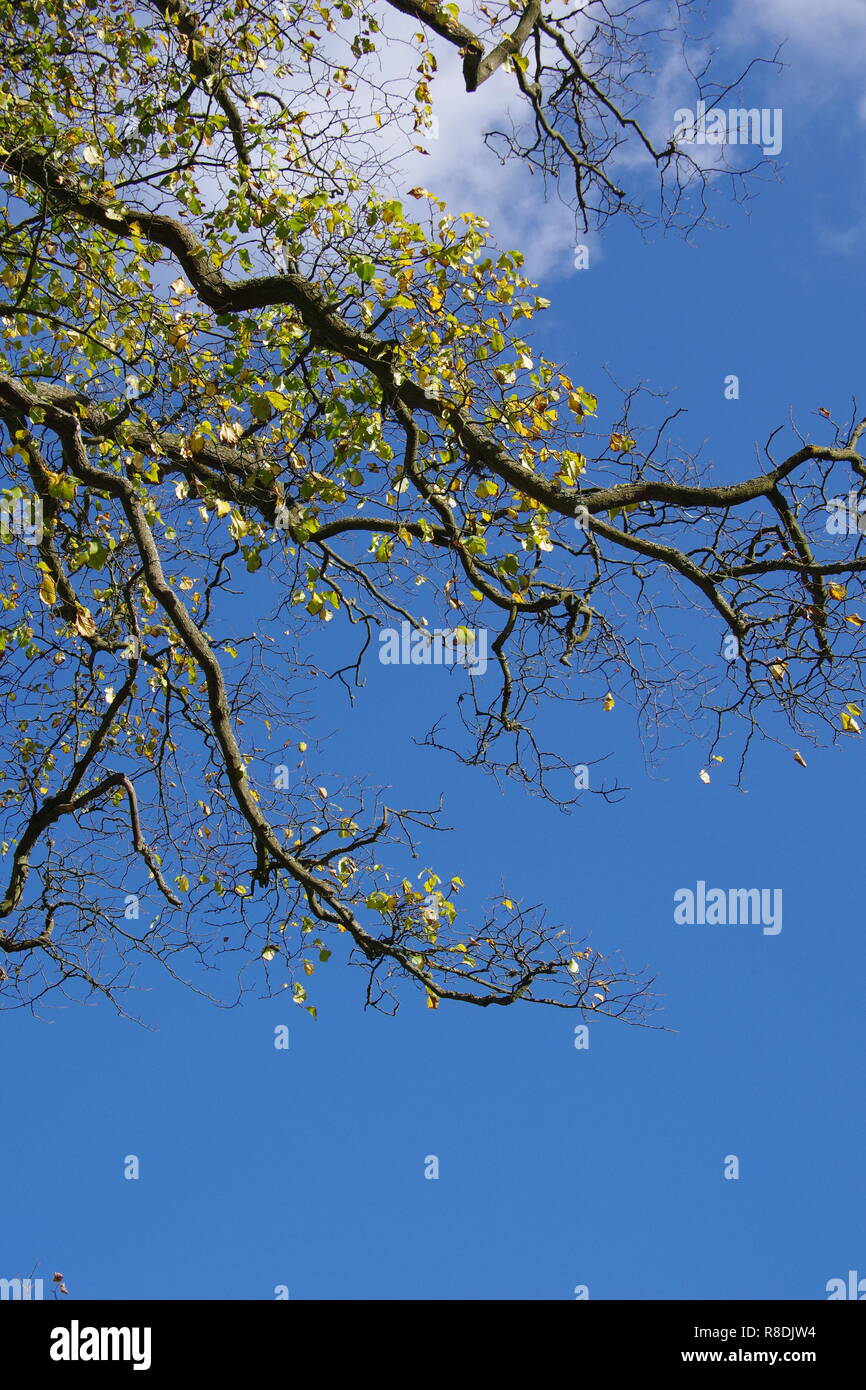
(469, 176)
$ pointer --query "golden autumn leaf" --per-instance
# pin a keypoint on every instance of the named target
(47, 590)
(798, 758)
(837, 591)
(621, 443)
(608, 702)
(84, 624)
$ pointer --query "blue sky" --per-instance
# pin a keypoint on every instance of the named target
(558, 1167)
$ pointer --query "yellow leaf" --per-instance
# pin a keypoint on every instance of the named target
(432, 1001)
(608, 702)
(854, 619)
(47, 590)
(798, 758)
(84, 624)
(837, 591)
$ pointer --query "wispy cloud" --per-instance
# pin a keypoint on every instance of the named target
(832, 32)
